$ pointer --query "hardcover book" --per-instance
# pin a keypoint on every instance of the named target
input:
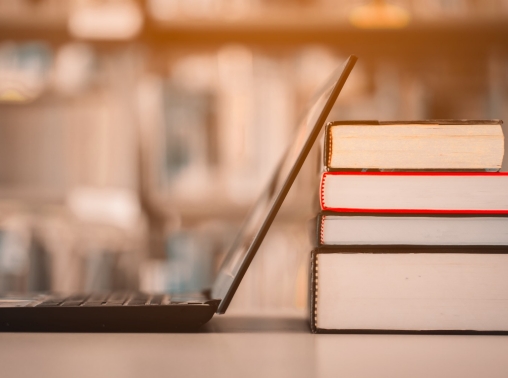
(419, 291)
(415, 192)
(334, 229)
(414, 145)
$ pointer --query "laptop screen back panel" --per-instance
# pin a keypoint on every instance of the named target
(264, 211)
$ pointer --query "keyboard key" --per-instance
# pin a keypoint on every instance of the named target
(98, 297)
(136, 302)
(92, 303)
(116, 299)
(71, 304)
(50, 303)
(116, 302)
(156, 299)
(76, 298)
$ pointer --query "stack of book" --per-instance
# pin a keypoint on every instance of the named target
(413, 232)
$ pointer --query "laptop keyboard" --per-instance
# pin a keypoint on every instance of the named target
(111, 299)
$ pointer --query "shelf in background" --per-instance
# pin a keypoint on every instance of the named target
(51, 28)
(289, 27)
(420, 37)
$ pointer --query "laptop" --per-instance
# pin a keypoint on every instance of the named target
(142, 312)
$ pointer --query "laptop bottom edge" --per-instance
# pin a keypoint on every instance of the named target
(164, 318)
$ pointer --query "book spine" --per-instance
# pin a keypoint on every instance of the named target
(328, 143)
(327, 148)
(313, 286)
(322, 191)
(321, 230)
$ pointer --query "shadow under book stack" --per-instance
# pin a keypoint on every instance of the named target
(413, 232)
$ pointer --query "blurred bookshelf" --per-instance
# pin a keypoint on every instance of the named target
(138, 139)
(447, 27)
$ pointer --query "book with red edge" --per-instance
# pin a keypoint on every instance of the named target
(415, 192)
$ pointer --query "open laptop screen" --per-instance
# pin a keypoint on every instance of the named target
(264, 211)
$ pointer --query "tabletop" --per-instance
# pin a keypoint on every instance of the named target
(255, 346)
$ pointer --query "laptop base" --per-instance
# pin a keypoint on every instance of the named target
(172, 317)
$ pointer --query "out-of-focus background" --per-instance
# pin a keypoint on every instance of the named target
(134, 135)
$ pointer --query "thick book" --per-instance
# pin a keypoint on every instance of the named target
(335, 229)
(414, 292)
(415, 192)
(415, 145)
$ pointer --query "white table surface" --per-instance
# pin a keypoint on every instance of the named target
(233, 346)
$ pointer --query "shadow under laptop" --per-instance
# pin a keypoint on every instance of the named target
(256, 324)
